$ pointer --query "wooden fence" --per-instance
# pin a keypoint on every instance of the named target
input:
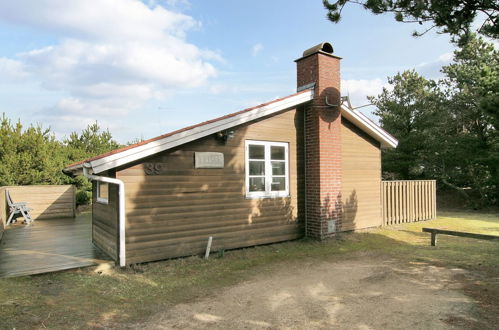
(46, 201)
(408, 201)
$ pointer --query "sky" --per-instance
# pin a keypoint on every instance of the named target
(145, 68)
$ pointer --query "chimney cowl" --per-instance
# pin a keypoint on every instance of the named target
(323, 47)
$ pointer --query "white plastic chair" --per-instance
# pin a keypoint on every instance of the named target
(16, 209)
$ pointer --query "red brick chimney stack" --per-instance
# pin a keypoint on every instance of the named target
(319, 66)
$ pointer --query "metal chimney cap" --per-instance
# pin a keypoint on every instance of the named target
(323, 47)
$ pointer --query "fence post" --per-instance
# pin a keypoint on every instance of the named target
(434, 199)
(392, 213)
(382, 201)
(427, 200)
(74, 200)
(433, 239)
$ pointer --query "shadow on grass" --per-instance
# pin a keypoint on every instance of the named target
(84, 298)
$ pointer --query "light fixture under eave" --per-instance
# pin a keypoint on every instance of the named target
(224, 135)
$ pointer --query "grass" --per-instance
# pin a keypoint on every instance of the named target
(90, 298)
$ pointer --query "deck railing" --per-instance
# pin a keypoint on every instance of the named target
(408, 201)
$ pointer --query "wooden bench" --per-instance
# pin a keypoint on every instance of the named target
(435, 231)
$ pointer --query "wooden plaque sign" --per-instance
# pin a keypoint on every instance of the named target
(209, 160)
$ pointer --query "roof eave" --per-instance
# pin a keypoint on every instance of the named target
(153, 147)
(357, 118)
(76, 169)
(71, 170)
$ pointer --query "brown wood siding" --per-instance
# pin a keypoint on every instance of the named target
(361, 179)
(174, 213)
(46, 201)
(105, 220)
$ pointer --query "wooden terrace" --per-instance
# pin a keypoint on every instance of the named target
(48, 246)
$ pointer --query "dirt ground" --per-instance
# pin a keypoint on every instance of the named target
(366, 292)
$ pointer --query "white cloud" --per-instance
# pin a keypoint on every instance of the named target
(89, 109)
(111, 57)
(257, 49)
(358, 90)
(446, 57)
(179, 3)
(73, 114)
(12, 70)
(75, 62)
(103, 20)
(431, 70)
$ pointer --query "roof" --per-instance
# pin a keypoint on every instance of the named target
(170, 140)
(367, 125)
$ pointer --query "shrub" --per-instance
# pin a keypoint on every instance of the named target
(83, 197)
(82, 183)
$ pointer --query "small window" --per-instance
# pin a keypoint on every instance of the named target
(102, 192)
(267, 173)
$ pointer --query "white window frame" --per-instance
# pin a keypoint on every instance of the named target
(100, 199)
(268, 193)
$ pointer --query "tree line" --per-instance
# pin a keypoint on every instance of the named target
(447, 128)
(32, 155)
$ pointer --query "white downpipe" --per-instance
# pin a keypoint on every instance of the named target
(121, 210)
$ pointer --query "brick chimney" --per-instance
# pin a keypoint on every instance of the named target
(319, 66)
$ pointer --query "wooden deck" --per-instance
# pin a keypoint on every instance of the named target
(48, 246)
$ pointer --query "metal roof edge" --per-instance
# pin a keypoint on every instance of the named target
(368, 126)
(192, 133)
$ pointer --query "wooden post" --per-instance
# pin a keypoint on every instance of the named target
(399, 202)
(392, 213)
(74, 200)
(420, 201)
(433, 239)
(208, 248)
(411, 201)
(434, 199)
(426, 200)
(406, 202)
(383, 203)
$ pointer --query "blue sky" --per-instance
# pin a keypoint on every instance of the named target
(145, 68)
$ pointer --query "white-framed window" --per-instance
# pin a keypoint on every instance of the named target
(102, 192)
(267, 169)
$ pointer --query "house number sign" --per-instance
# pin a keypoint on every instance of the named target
(209, 160)
(154, 168)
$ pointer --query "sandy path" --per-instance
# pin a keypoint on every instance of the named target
(365, 293)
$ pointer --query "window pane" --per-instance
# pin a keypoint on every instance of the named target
(278, 184)
(256, 151)
(103, 190)
(256, 184)
(277, 153)
(278, 168)
(256, 168)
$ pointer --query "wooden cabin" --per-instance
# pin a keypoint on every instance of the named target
(306, 164)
